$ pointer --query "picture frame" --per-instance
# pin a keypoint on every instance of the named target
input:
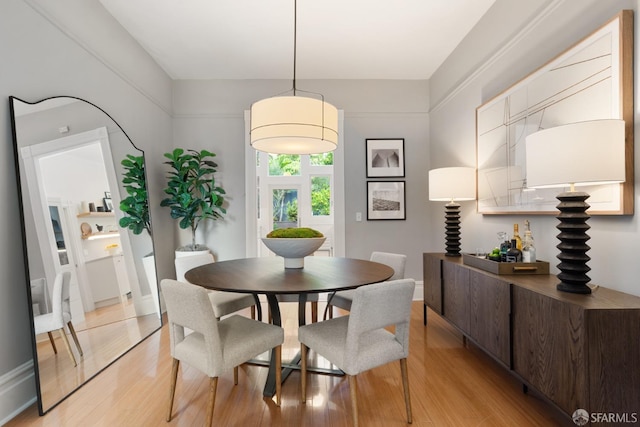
(386, 200)
(108, 204)
(591, 80)
(385, 158)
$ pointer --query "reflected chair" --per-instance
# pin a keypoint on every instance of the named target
(223, 302)
(342, 299)
(359, 341)
(214, 346)
(66, 309)
(55, 321)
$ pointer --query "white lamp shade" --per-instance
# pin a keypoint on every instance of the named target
(583, 153)
(294, 125)
(449, 184)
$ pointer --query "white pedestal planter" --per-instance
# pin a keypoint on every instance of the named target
(293, 250)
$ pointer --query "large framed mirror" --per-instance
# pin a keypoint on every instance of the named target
(92, 287)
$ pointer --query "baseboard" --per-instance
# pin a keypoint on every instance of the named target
(418, 292)
(17, 391)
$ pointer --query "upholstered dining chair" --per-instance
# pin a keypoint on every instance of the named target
(214, 346)
(55, 320)
(359, 341)
(223, 302)
(66, 309)
(342, 299)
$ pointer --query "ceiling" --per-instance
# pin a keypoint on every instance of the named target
(336, 39)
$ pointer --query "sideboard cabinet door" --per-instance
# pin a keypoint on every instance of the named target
(549, 348)
(490, 310)
(432, 275)
(455, 289)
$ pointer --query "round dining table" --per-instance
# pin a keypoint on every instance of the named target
(267, 276)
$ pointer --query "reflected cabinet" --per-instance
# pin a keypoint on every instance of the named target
(579, 351)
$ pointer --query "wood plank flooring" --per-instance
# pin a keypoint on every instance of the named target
(451, 385)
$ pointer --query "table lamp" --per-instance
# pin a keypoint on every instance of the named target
(452, 185)
(583, 153)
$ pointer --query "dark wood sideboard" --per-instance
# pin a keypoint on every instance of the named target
(579, 351)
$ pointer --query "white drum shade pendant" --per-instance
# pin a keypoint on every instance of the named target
(294, 125)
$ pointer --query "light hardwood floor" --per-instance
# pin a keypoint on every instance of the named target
(451, 385)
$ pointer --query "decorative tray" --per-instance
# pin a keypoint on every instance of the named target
(538, 267)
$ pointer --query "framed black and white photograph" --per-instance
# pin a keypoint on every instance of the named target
(386, 200)
(385, 158)
(108, 204)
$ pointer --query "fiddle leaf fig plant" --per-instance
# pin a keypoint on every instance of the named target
(193, 195)
(135, 206)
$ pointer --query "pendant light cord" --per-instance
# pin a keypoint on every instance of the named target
(295, 49)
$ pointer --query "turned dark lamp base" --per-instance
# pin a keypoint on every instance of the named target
(573, 243)
(452, 221)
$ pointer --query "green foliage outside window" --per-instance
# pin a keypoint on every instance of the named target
(284, 164)
(320, 196)
(324, 159)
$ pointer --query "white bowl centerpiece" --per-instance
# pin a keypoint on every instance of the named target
(293, 244)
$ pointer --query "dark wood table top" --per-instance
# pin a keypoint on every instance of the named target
(268, 276)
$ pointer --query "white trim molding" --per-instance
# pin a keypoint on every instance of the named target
(504, 50)
(17, 391)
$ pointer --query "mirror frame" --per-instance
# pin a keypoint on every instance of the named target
(14, 133)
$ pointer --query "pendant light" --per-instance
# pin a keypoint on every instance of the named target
(294, 124)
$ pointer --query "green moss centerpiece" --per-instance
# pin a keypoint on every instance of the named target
(293, 244)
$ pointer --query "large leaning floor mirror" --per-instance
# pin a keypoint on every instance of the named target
(91, 280)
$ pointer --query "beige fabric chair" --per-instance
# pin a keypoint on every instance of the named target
(342, 299)
(359, 342)
(66, 309)
(55, 320)
(214, 346)
(223, 302)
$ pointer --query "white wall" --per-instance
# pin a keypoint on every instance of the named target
(41, 60)
(506, 57)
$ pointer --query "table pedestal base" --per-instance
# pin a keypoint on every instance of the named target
(294, 364)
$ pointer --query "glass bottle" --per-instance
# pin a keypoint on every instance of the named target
(528, 245)
(516, 237)
(514, 254)
(503, 244)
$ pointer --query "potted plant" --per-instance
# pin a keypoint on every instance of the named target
(293, 244)
(135, 209)
(193, 195)
(135, 206)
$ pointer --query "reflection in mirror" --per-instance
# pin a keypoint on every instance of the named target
(93, 289)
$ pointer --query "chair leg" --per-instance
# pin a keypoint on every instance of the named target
(405, 386)
(75, 337)
(172, 386)
(257, 307)
(235, 375)
(353, 388)
(253, 312)
(66, 344)
(213, 385)
(53, 342)
(303, 372)
(278, 374)
(314, 311)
